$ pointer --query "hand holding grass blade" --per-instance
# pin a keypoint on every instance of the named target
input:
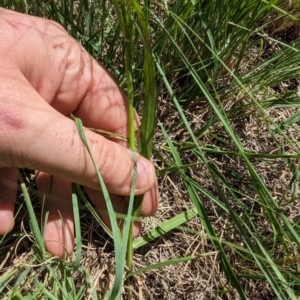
(45, 75)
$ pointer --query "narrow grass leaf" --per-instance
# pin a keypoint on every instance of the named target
(165, 227)
(77, 226)
(33, 221)
(170, 262)
(294, 18)
(149, 107)
(17, 286)
(41, 287)
(129, 219)
(94, 213)
(290, 121)
(119, 247)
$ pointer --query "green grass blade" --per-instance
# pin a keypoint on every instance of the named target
(77, 226)
(283, 12)
(149, 108)
(41, 287)
(170, 262)
(6, 277)
(88, 205)
(127, 11)
(290, 121)
(128, 221)
(165, 227)
(33, 221)
(119, 247)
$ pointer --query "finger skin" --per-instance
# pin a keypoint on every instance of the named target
(28, 121)
(8, 193)
(55, 197)
(61, 71)
(149, 206)
(40, 86)
(40, 138)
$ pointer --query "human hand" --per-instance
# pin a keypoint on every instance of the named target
(45, 75)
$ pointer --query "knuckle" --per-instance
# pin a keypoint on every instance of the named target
(56, 26)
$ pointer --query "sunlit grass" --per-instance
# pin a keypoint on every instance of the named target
(229, 60)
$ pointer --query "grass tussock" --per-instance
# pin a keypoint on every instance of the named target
(225, 75)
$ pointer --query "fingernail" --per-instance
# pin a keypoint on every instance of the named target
(144, 174)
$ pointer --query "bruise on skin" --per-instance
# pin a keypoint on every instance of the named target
(15, 25)
(10, 120)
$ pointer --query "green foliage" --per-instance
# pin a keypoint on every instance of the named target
(225, 56)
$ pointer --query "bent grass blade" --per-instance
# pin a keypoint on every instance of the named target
(118, 241)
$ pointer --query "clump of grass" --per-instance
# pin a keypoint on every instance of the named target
(226, 149)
